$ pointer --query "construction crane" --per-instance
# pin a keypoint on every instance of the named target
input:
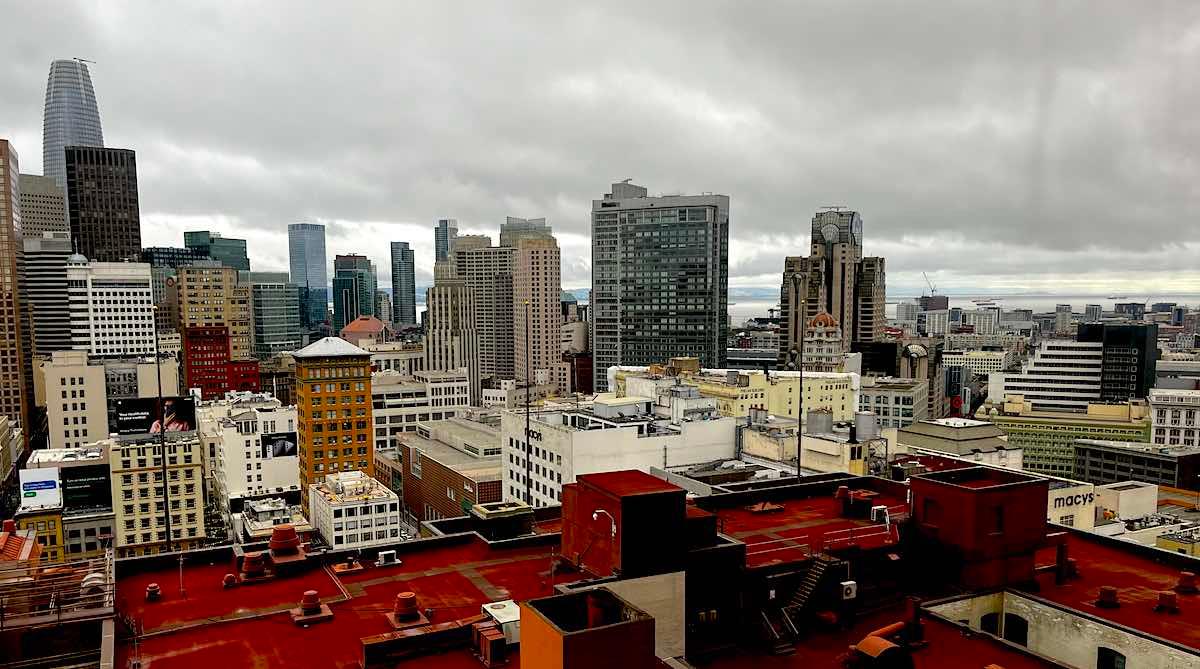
(932, 288)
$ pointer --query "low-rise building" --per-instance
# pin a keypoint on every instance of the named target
(1100, 461)
(981, 362)
(12, 447)
(1186, 541)
(139, 503)
(613, 433)
(352, 510)
(969, 341)
(87, 518)
(404, 357)
(511, 394)
(1046, 438)
(974, 440)
(277, 376)
(260, 516)
(399, 402)
(1175, 416)
(895, 402)
(448, 466)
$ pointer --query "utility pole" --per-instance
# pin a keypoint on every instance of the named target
(801, 327)
(162, 437)
(528, 446)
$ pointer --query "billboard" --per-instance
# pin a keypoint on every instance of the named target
(86, 487)
(39, 488)
(278, 445)
(140, 415)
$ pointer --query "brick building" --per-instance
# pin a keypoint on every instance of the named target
(448, 466)
(207, 366)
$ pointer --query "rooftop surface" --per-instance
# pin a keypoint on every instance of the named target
(477, 467)
(1138, 580)
(249, 625)
(624, 483)
(1172, 451)
(805, 526)
(331, 347)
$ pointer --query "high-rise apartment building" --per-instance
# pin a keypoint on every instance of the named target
(1092, 313)
(404, 287)
(111, 308)
(488, 273)
(1130, 353)
(16, 372)
(333, 402)
(1062, 375)
(225, 250)
(537, 320)
(354, 286)
(43, 206)
(46, 291)
(981, 321)
(275, 305)
(450, 337)
(102, 203)
(211, 295)
(1062, 318)
(443, 237)
(383, 307)
(660, 279)
(309, 271)
(70, 116)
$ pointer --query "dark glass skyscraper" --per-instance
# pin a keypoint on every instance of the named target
(404, 288)
(225, 250)
(102, 203)
(309, 271)
(70, 117)
(443, 237)
(354, 285)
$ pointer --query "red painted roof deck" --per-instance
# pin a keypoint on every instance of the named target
(805, 526)
(249, 625)
(628, 482)
(1138, 581)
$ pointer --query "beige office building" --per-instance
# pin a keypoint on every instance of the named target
(43, 206)
(137, 493)
(537, 295)
(209, 295)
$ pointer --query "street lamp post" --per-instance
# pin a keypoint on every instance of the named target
(162, 433)
(528, 446)
(799, 310)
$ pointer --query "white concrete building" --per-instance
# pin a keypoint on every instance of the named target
(574, 337)
(981, 362)
(907, 311)
(352, 510)
(1063, 375)
(611, 434)
(399, 402)
(1175, 416)
(250, 446)
(824, 347)
(937, 322)
(403, 357)
(984, 321)
(112, 307)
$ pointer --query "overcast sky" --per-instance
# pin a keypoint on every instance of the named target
(1001, 146)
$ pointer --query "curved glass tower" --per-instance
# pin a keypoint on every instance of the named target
(70, 118)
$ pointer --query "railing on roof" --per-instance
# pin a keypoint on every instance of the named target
(56, 593)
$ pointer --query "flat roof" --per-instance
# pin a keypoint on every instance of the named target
(1165, 450)
(628, 482)
(805, 525)
(1138, 580)
(46, 456)
(478, 468)
(249, 625)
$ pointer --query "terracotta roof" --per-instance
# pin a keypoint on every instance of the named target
(823, 320)
(19, 545)
(364, 325)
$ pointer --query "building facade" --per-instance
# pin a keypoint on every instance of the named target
(209, 366)
(1062, 375)
(449, 466)
(450, 336)
(15, 340)
(102, 203)
(333, 412)
(45, 277)
(1174, 416)
(308, 267)
(1130, 352)
(1047, 437)
(981, 362)
(227, 251)
(352, 510)
(404, 284)
(399, 402)
(443, 238)
(1100, 462)
(895, 402)
(70, 116)
(112, 308)
(537, 291)
(275, 305)
(43, 206)
(660, 279)
(145, 505)
(210, 295)
(488, 273)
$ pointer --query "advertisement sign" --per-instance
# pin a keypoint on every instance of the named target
(278, 445)
(86, 487)
(140, 415)
(39, 488)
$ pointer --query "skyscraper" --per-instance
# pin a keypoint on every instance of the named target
(451, 341)
(15, 397)
(1092, 313)
(46, 291)
(404, 287)
(1062, 318)
(488, 273)
(102, 203)
(70, 117)
(354, 286)
(443, 237)
(225, 250)
(111, 308)
(835, 279)
(275, 304)
(209, 294)
(308, 268)
(1130, 358)
(43, 206)
(660, 278)
(537, 319)
(515, 229)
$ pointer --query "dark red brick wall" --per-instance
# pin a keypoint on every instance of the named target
(430, 488)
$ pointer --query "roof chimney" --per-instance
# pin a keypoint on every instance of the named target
(1187, 583)
(1167, 602)
(10, 526)
(1108, 598)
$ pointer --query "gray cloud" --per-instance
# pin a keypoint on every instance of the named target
(984, 141)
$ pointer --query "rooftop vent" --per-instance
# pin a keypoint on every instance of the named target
(1108, 598)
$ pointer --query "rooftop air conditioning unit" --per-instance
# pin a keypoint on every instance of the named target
(507, 615)
(879, 514)
(849, 589)
(386, 558)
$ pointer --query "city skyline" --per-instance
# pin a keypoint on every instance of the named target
(966, 195)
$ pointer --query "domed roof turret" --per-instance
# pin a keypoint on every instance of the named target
(823, 320)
